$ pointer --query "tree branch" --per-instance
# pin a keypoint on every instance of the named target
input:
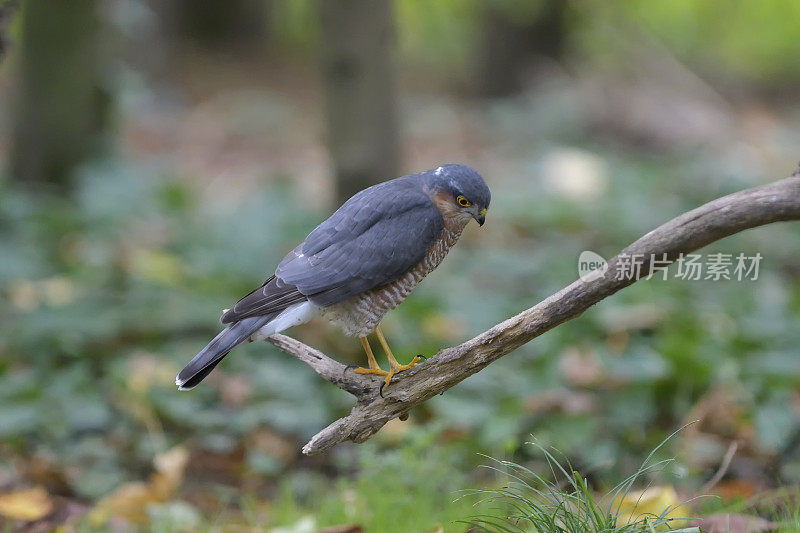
(775, 202)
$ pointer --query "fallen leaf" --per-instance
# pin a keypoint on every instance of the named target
(351, 528)
(738, 488)
(171, 464)
(734, 523)
(28, 505)
(45, 471)
(130, 501)
(652, 501)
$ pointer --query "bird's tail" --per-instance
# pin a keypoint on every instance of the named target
(210, 356)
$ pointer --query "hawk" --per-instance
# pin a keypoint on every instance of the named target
(359, 264)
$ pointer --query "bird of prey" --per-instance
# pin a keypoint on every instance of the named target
(359, 264)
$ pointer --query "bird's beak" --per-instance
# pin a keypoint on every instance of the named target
(482, 217)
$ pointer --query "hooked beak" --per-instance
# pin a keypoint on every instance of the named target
(481, 218)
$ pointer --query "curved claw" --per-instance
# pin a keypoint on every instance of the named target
(396, 369)
(349, 367)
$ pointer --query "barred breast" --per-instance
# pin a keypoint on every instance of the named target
(362, 314)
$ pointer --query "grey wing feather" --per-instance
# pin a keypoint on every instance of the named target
(271, 298)
(373, 239)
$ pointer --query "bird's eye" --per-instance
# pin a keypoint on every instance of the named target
(462, 201)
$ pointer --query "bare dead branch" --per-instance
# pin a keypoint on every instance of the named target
(723, 468)
(774, 202)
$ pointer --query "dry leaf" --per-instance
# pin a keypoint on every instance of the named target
(635, 505)
(734, 523)
(739, 488)
(351, 528)
(129, 502)
(45, 471)
(172, 463)
(28, 505)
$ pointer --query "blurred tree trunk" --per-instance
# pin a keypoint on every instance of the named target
(7, 10)
(217, 23)
(359, 76)
(61, 107)
(513, 40)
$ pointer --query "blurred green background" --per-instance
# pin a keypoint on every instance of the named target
(159, 158)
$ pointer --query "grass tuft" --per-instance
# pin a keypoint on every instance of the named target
(564, 503)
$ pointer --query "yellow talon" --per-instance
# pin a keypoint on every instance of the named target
(395, 365)
(397, 368)
(374, 369)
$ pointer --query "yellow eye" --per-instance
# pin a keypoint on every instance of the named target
(463, 202)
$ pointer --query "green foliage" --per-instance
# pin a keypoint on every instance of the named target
(791, 521)
(757, 41)
(562, 501)
(110, 295)
(296, 24)
(409, 487)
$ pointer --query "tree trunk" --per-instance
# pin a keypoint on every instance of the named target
(61, 107)
(359, 76)
(216, 24)
(511, 43)
(7, 10)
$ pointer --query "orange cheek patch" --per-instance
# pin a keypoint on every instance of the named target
(445, 203)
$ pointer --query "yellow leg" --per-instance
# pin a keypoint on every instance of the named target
(396, 366)
(373, 364)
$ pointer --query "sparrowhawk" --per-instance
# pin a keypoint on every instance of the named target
(358, 265)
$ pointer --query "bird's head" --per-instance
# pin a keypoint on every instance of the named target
(459, 191)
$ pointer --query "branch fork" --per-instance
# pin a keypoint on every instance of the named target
(757, 206)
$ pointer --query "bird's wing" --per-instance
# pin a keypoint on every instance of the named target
(272, 297)
(373, 239)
